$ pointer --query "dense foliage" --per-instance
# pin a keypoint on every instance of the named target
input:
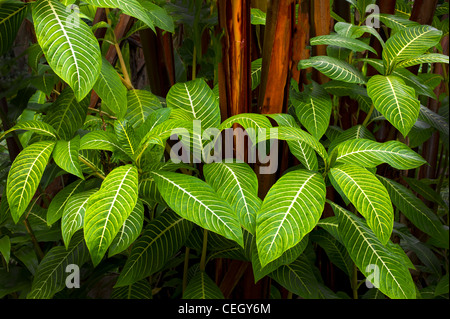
(137, 191)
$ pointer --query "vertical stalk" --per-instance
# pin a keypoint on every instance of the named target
(204, 250)
(185, 267)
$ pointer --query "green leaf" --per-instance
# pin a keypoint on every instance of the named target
(301, 150)
(38, 127)
(413, 208)
(130, 230)
(395, 100)
(25, 174)
(65, 155)
(334, 68)
(141, 104)
(313, 108)
(69, 45)
(424, 58)
(353, 31)
(196, 98)
(425, 190)
(368, 195)
(384, 267)
(355, 132)
(108, 209)
(160, 240)
(12, 14)
(139, 290)
(290, 210)
(72, 218)
(52, 274)
(100, 140)
(394, 22)
(130, 7)
(196, 201)
(66, 114)
(298, 277)
(159, 16)
(409, 43)
(202, 287)
(238, 185)
(342, 42)
(111, 90)
(5, 248)
(126, 137)
(255, 74)
(257, 17)
(368, 153)
(56, 207)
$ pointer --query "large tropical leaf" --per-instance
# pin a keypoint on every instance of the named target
(38, 127)
(255, 74)
(65, 155)
(12, 14)
(342, 42)
(69, 45)
(66, 114)
(313, 109)
(73, 215)
(409, 43)
(384, 266)
(355, 132)
(290, 210)
(161, 238)
(56, 208)
(130, 7)
(197, 99)
(238, 185)
(111, 90)
(298, 277)
(196, 201)
(100, 140)
(108, 209)
(395, 100)
(368, 195)
(126, 137)
(51, 274)
(424, 58)
(202, 287)
(413, 208)
(368, 153)
(25, 174)
(334, 68)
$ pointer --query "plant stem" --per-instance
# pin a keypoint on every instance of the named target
(366, 120)
(96, 172)
(194, 63)
(204, 249)
(355, 282)
(36, 246)
(185, 268)
(102, 113)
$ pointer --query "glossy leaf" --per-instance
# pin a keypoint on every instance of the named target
(12, 14)
(38, 127)
(65, 155)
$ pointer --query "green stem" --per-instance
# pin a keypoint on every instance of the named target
(354, 282)
(194, 63)
(366, 120)
(36, 246)
(185, 268)
(204, 249)
(95, 170)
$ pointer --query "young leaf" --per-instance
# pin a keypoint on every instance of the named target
(334, 68)
(111, 90)
(100, 140)
(65, 155)
(25, 174)
(290, 210)
(38, 127)
(395, 100)
(255, 74)
(56, 207)
(126, 137)
(69, 45)
(424, 58)
(130, 230)
(196, 201)
(161, 238)
(384, 267)
(202, 287)
(141, 104)
(368, 195)
(238, 185)
(51, 274)
(368, 153)
(409, 43)
(342, 42)
(73, 215)
(196, 98)
(313, 109)
(108, 209)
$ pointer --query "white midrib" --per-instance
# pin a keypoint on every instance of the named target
(68, 41)
(289, 209)
(396, 101)
(240, 188)
(375, 252)
(190, 101)
(375, 151)
(112, 205)
(196, 199)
